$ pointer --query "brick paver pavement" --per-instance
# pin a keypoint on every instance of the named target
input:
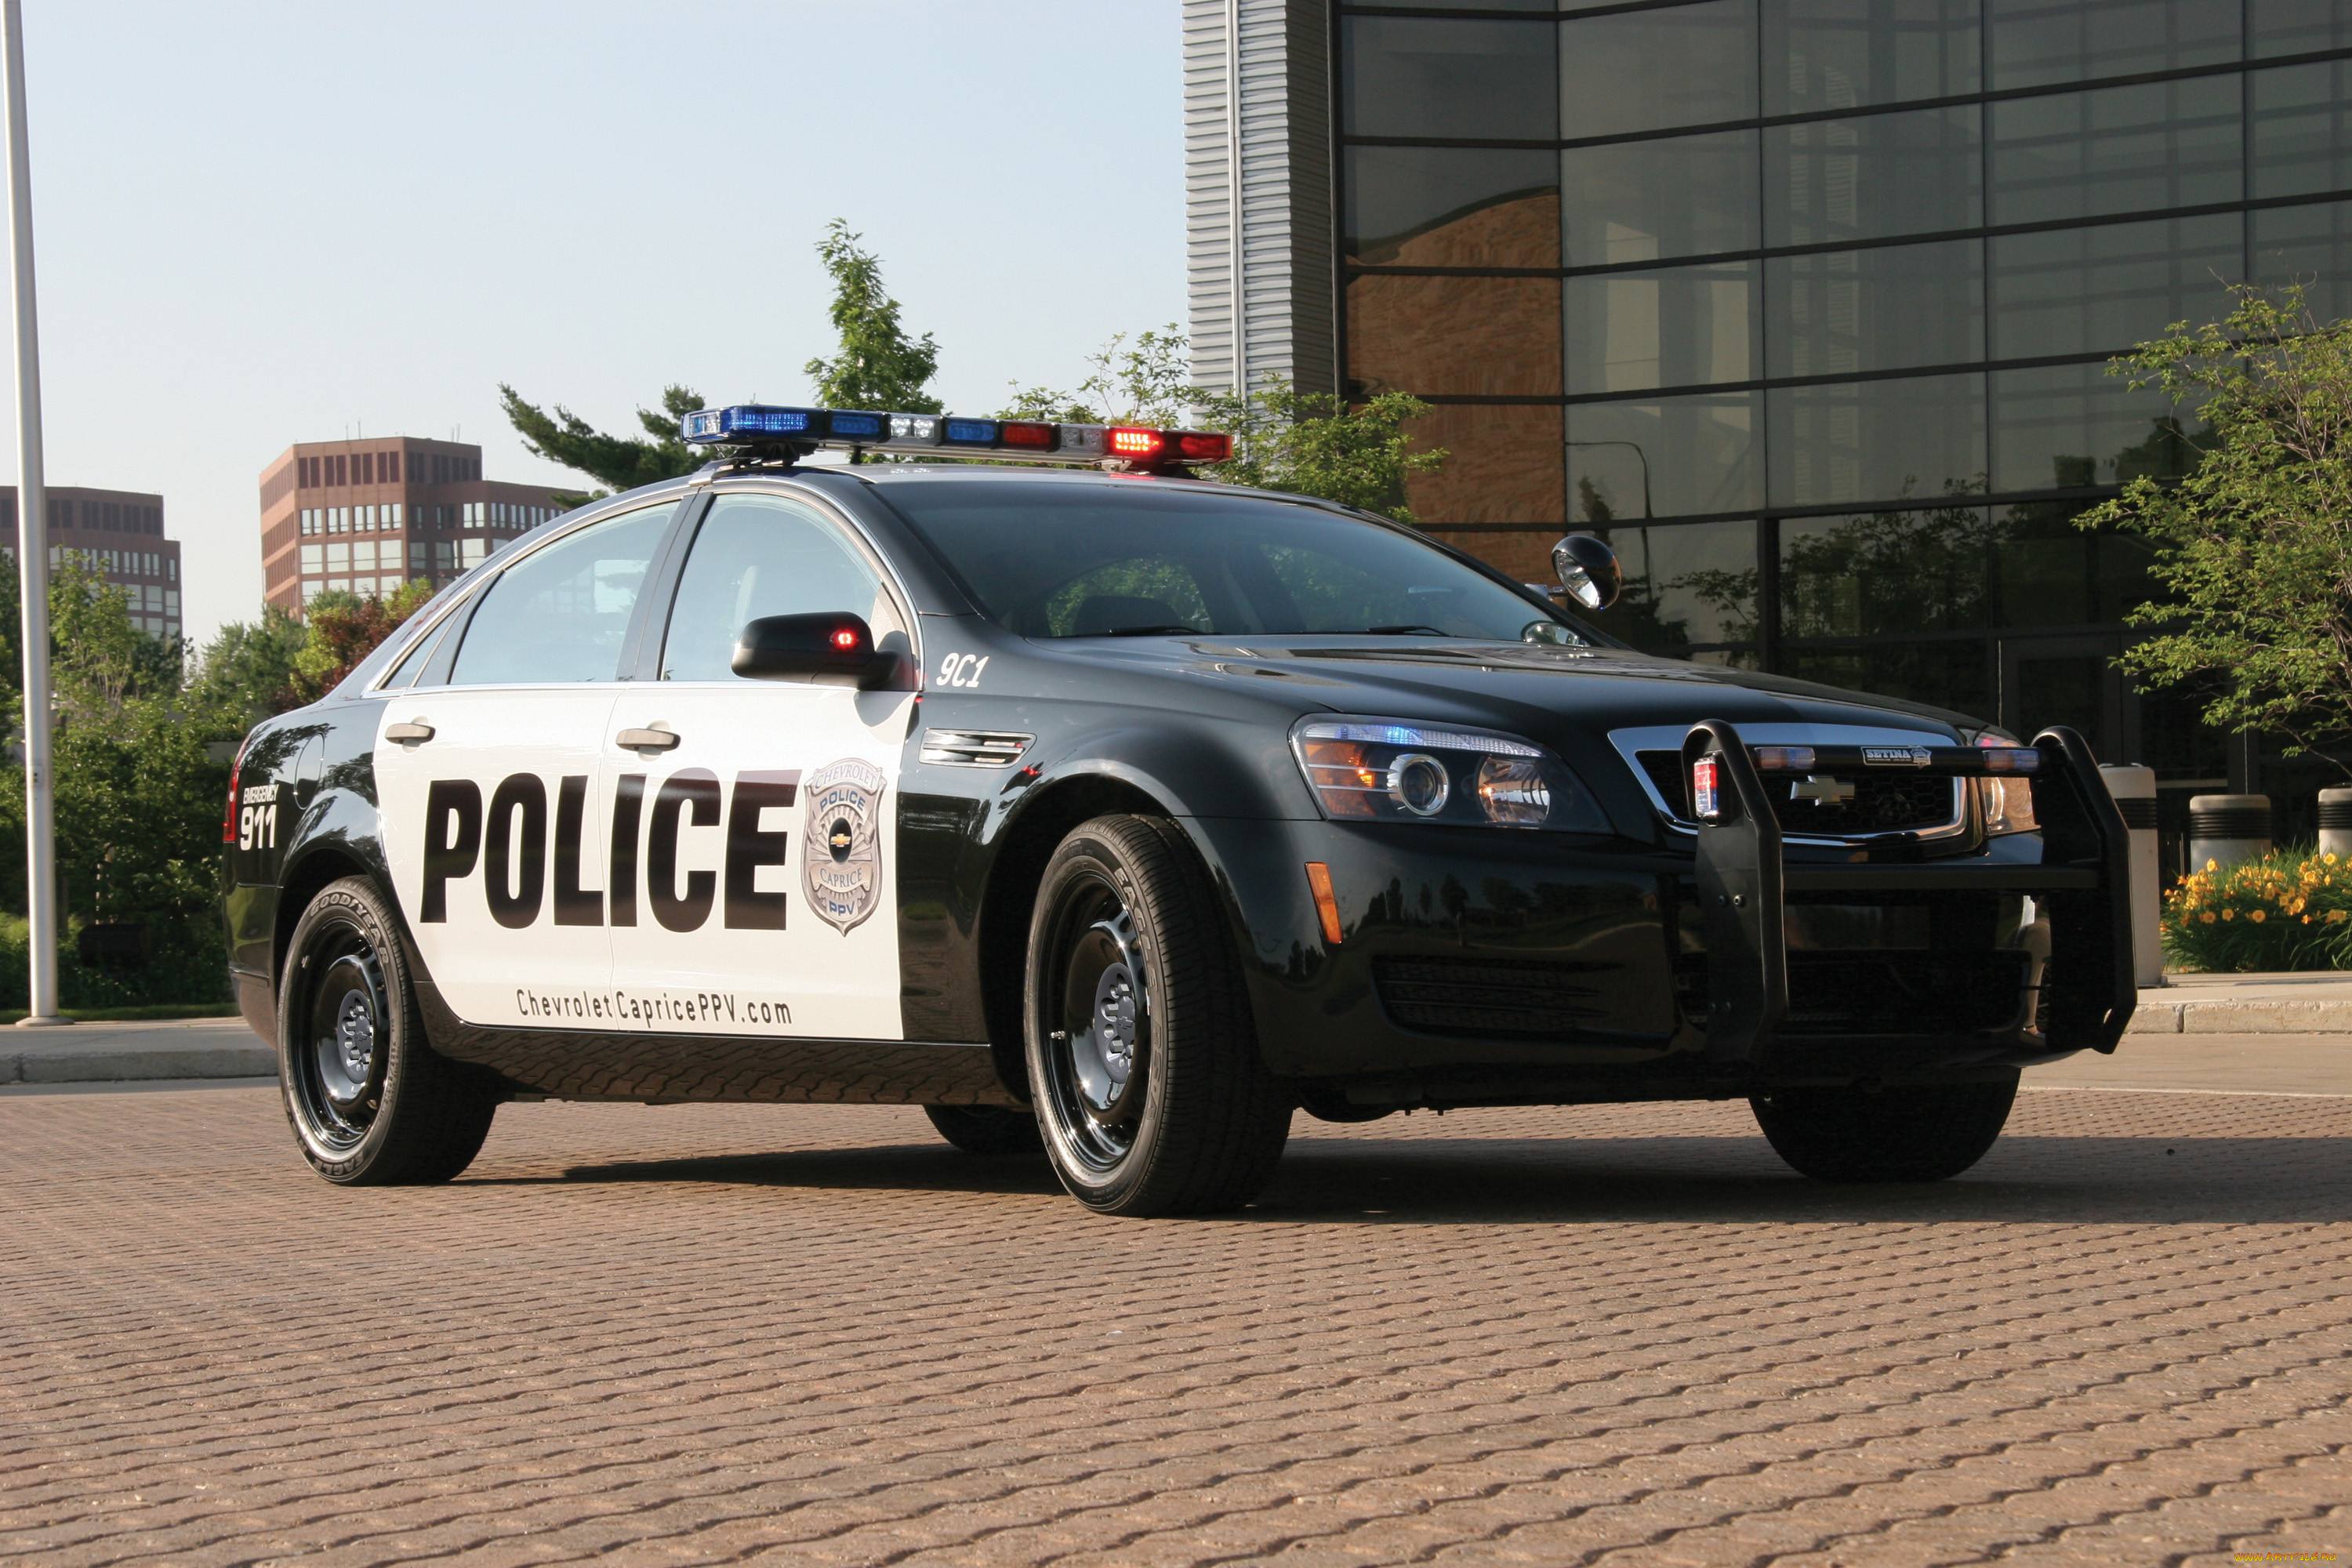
(814, 1334)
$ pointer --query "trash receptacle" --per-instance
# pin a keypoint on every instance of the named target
(2336, 821)
(2228, 828)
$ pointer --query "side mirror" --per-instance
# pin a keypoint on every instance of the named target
(1589, 572)
(832, 648)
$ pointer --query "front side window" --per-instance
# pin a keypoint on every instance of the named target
(764, 555)
(559, 613)
(1073, 560)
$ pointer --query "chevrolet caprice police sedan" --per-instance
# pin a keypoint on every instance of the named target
(1127, 815)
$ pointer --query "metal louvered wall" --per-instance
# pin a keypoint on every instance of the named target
(1285, 297)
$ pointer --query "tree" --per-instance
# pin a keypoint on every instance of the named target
(248, 671)
(137, 802)
(344, 629)
(879, 367)
(2253, 544)
(1309, 442)
(1148, 382)
(621, 462)
(1316, 443)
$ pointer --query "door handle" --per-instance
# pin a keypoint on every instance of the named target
(647, 740)
(409, 732)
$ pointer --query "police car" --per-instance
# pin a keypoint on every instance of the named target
(1088, 804)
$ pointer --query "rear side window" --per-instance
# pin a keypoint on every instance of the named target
(559, 613)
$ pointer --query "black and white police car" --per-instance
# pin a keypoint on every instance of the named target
(1129, 814)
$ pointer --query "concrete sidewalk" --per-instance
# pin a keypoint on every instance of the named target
(120, 1053)
(2319, 1002)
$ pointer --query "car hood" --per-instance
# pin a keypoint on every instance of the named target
(1541, 689)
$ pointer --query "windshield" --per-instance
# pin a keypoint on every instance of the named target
(1049, 559)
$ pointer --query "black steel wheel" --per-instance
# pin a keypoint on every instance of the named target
(1912, 1132)
(368, 1101)
(1151, 1094)
(986, 1129)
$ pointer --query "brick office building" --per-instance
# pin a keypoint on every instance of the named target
(363, 517)
(121, 533)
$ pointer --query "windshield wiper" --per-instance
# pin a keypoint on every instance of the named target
(1404, 631)
(1152, 631)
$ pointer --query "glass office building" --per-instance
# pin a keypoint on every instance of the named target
(1806, 304)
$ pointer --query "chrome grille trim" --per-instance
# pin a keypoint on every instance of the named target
(1669, 737)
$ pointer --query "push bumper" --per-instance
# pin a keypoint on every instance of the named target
(2081, 884)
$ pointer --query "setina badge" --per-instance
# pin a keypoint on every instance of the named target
(842, 857)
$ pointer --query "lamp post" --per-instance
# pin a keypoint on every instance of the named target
(32, 553)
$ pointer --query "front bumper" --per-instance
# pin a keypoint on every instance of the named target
(1478, 967)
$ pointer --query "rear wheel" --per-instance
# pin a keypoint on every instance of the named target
(1151, 1091)
(986, 1129)
(1919, 1132)
(370, 1102)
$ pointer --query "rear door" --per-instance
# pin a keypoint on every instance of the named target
(757, 894)
(490, 783)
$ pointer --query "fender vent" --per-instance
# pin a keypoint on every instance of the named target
(973, 748)
(1486, 998)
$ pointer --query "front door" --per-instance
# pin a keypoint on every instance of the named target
(760, 893)
(492, 794)
(2068, 680)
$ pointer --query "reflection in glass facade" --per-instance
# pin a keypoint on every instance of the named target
(1806, 304)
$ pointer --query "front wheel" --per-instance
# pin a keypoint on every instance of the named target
(370, 1102)
(1918, 1132)
(1151, 1092)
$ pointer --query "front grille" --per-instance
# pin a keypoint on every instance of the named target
(1905, 993)
(1883, 802)
(1491, 998)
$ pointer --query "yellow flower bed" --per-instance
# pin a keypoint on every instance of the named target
(2290, 910)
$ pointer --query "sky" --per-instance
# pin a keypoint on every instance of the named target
(262, 224)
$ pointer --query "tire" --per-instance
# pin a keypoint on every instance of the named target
(369, 1103)
(986, 1129)
(1150, 1093)
(1914, 1133)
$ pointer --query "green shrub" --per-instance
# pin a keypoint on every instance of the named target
(188, 964)
(2289, 909)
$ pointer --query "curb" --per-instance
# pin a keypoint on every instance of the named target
(255, 1060)
(2217, 1017)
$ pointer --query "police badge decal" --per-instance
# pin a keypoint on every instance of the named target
(842, 857)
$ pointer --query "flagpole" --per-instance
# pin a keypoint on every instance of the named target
(32, 553)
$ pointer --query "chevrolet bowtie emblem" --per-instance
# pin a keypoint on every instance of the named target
(1821, 791)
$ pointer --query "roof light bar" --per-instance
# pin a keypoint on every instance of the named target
(1034, 440)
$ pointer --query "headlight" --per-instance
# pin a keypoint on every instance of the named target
(2007, 803)
(1394, 770)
